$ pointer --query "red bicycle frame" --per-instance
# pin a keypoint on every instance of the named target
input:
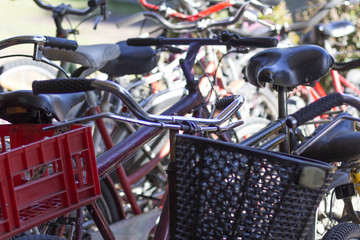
(338, 83)
(191, 18)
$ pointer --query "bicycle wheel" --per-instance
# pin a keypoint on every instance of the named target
(39, 237)
(259, 102)
(343, 231)
(19, 74)
(107, 204)
(251, 125)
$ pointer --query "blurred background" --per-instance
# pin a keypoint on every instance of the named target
(21, 17)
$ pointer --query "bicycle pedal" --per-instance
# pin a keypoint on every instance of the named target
(344, 191)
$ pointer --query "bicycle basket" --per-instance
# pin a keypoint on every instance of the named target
(46, 178)
(227, 191)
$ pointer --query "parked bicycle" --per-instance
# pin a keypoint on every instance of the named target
(245, 226)
(194, 99)
(18, 74)
(261, 102)
(258, 65)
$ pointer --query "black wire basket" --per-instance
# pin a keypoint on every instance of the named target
(227, 191)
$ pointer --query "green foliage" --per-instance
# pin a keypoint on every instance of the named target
(348, 46)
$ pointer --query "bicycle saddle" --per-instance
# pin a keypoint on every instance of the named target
(340, 144)
(289, 67)
(25, 107)
(91, 56)
(132, 60)
(322, 31)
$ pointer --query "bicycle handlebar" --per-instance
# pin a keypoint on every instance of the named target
(61, 43)
(184, 26)
(345, 66)
(175, 14)
(321, 106)
(52, 42)
(239, 42)
(265, 9)
(315, 109)
(92, 5)
(81, 85)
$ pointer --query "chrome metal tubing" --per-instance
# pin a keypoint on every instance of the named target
(21, 40)
(134, 107)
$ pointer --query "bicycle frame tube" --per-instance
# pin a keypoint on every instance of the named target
(348, 84)
(336, 82)
(215, 8)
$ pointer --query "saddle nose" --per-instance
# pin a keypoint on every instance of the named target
(266, 75)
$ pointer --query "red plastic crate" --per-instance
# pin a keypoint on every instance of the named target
(49, 176)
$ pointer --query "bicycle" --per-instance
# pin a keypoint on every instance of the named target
(95, 62)
(192, 100)
(275, 141)
(261, 102)
(297, 79)
(17, 74)
(152, 97)
(251, 141)
(120, 213)
(116, 154)
(260, 71)
(264, 231)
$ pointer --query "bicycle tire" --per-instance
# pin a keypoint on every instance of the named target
(251, 125)
(260, 102)
(39, 237)
(108, 205)
(343, 231)
(19, 74)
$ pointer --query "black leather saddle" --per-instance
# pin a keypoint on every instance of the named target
(289, 67)
(115, 59)
(340, 144)
(322, 31)
(132, 60)
(25, 107)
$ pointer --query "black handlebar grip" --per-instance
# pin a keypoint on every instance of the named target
(55, 42)
(261, 42)
(318, 107)
(222, 103)
(67, 85)
(144, 41)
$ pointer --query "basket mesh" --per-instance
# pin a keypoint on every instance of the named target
(224, 191)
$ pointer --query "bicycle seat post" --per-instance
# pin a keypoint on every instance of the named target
(283, 112)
